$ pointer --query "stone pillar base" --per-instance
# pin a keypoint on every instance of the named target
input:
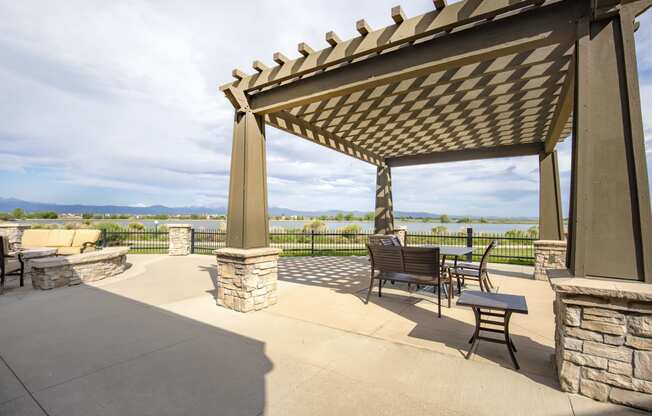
(400, 231)
(179, 239)
(13, 233)
(548, 255)
(247, 278)
(603, 339)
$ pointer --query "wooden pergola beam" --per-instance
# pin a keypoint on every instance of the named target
(527, 149)
(527, 31)
(438, 21)
(291, 124)
(445, 84)
(563, 111)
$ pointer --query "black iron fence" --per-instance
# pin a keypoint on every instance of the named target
(515, 250)
(320, 243)
(139, 241)
(205, 241)
(510, 249)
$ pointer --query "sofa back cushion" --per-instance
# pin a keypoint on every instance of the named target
(35, 238)
(85, 236)
(60, 238)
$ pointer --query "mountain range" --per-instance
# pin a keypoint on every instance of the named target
(9, 204)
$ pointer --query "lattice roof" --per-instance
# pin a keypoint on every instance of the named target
(474, 76)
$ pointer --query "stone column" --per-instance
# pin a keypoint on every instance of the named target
(384, 215)
(548, 255)
(14, 233)
(603, 339)
(180, 239)
(247, 278)
(400, 231)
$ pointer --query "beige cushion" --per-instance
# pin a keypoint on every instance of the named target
(66, 251)
(60, 238)
(85, 236)
(35, 238)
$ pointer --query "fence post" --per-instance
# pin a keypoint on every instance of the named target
(469, 242)
(104, 238)
(192, 241)
(312, 242)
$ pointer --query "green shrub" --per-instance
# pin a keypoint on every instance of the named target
(136, 226)
(315, 225)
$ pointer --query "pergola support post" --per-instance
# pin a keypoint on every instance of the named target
(551, 218)
(384, 215)
(247, 267)
(247, 213)
(610, 229)
(550, 249)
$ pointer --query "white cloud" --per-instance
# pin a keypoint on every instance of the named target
(121, 97)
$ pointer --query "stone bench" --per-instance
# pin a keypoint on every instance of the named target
(51, 272)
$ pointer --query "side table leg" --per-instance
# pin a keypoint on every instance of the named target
(474, 339)
(508, 341)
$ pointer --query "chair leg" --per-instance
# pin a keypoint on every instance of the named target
(2, 281)
(380, 288)
(459, 285)
(371, 286)
(439, 296)
(487, 283)
(489, 280)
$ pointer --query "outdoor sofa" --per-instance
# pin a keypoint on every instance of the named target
(65, 241)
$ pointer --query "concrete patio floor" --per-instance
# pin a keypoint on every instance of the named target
(153, 342)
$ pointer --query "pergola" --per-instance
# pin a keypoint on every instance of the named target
(472, 80)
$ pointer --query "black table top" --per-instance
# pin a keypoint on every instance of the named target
(500, 301)
(450, 250)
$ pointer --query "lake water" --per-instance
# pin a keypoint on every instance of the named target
(413, 226)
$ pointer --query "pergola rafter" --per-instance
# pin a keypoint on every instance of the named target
(471, 80)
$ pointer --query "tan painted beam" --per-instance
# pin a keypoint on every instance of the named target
(440, 4)
(363, 27)
(280, 59)
(304, 49)
(528, 31)
(384, 115)
(238, 74)
(439, 21)
(528, 149)
(298, 127)
(444, 83)
(563, 111)
(332, 39)
(398, 15)
(259, 66)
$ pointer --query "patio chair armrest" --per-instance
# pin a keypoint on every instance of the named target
(86, 245)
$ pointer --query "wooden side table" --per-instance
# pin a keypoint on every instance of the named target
(493, 305)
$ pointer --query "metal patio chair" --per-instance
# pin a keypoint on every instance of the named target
(476, 271)
(405, 264)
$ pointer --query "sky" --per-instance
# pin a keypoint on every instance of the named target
(117, 102)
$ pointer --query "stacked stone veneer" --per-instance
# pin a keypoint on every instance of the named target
(13, 233)
(400, 232)
(604, 348)
(180, 239)
(548, 254)
(247, 278)
(51, 272)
